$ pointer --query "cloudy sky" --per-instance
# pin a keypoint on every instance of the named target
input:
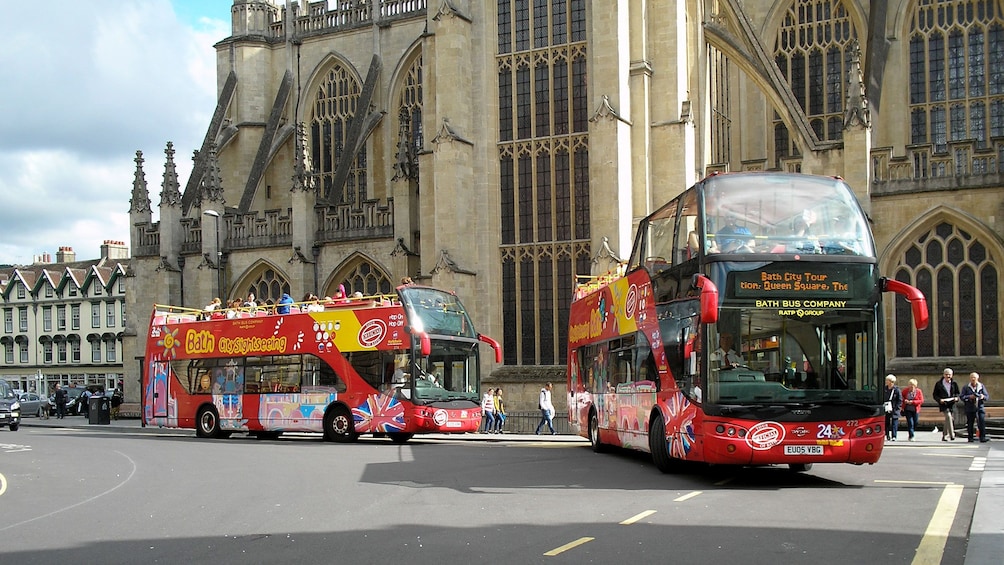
(85, 85)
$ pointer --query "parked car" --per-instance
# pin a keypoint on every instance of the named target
(10, 407)
(33, 404)
(73, 396)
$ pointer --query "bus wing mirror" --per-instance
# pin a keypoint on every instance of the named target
(495, 346)
(709, 298)
(424, 343)
(916, 298)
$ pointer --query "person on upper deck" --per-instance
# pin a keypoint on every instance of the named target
(733, 238)
(284, 302)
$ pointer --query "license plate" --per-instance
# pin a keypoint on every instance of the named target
(803, 450)
(453, 424)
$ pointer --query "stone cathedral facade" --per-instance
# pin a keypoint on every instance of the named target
(500, 148)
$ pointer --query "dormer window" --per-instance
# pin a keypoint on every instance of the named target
(21, 291)
(97, 289)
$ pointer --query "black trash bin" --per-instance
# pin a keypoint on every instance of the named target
(99, 410)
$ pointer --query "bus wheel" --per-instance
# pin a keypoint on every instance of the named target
(400, 437)
(207, 424)
(594, 433)
(799, 467)
(338, 425)
(657, 445)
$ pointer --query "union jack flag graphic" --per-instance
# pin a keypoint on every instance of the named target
(380, 413)
(680, 427)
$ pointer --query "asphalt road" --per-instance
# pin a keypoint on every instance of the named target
(93, 494)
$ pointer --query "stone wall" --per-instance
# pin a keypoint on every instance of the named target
(521, 386)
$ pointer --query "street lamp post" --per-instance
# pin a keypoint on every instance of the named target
(219, 252)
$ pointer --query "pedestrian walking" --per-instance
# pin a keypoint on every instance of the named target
(946, 394)
(61, 398)
(913, 397)
(499, 411)
(974, 396)
(488, 410)
(893, 404)
(546, 409)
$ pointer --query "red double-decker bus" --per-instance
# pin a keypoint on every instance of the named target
(746, 329)
(395, 365)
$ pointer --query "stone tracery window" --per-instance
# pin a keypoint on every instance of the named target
(813, 49)
(959, 276)
(269, 284)
(364, 277)
(544, 172)
(334, 105)
(956, 77)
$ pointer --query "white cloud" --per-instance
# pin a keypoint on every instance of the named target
(86, 85)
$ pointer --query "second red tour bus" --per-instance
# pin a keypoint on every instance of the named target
(746, 329)
(395, 365)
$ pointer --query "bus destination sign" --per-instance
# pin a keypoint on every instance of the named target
(792, 283)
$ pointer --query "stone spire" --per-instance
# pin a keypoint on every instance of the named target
(211, 189)
(303, 178)
(140, 201)
(170, 194)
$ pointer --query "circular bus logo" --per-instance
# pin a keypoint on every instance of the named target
(631, 302)
(440, 417)
(372, 332)
(765, 435)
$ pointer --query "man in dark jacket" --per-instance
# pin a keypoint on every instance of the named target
(61, 398)
(946, 394)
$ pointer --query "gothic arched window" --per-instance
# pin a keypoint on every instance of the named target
(333, 108)
(959, 277)
(364, 277)
(956, 83)
(268, 286)
(813, 50)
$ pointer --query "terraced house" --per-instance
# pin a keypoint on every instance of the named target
(63, 320)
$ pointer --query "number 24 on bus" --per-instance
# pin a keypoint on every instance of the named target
(745, 329)
(389, 365)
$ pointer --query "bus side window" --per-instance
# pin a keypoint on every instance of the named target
(329, 378)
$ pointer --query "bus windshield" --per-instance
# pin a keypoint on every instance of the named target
(757, 357)
(436, 312)
(783, 214)
(450, 372)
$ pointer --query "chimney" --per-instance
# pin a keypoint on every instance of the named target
(114, 250)
(66, 255)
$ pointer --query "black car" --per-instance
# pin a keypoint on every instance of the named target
(75, 403)
(10, 407)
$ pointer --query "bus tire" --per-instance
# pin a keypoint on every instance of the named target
(338, 425)
(657, 445)
(594, 433)
(799, 467)
(207, 423)
(400, 437)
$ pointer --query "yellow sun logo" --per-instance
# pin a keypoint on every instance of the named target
(169, 342)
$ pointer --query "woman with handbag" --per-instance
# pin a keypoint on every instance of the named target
(893, 401)
(912, 399)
